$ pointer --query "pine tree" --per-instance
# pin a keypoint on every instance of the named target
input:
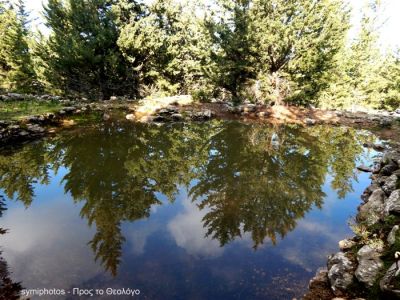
(231, 56)
(16, 70)
(81, 53)
(296, 43)
(163, 46)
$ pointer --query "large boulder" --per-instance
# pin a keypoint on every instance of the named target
(391, 183)
(392, 204)
(386, 283)
(370, 264)
(373, 209)
(388, 169)
(340, 272)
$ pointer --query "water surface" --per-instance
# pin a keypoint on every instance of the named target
(216, 210)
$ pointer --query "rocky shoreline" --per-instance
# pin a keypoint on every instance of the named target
(367, 265)
(177, 109)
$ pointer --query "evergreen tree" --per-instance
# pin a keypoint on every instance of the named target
(164, 45)
(231, 57)
(296, 43)
(16, 70)
(81, 53)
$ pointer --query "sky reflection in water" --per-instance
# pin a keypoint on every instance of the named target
(217, 210)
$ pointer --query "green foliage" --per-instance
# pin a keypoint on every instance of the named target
(364, 76)
(81, 55)
(16, 70)
(258, 50)
(283, 50)
(14, 110)
(165, 45)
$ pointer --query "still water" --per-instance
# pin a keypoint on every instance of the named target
(215, 210)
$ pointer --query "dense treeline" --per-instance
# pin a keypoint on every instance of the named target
(277, 51)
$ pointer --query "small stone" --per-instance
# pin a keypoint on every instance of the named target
(177, 117)
(346, 244)
(23, 133)
(261, 114)
(392, 235)
(113, 98)
(310, 122)
(159, 119)
(385, 123)
(69, 109)
(130, 117)
(249, 108)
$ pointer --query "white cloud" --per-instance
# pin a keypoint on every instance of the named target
(189, 233)
(47, 245)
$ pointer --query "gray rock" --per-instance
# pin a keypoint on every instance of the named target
(385, 123)
(4, 123)
(69, 109)
(202, 115)
(177, 117)
(33, 119)
(378, 147)
(370, 264)
(35, 128)
(340, 272)
(392, 204)
(106, 117)
(249, 108)
(391, 184)
(386, 283)
(388, 169)
(391, 239)
(391, 157)
(15, 96)
(113, 98)
(372, 211)
(13, 127)
(23, 133)
(159, 118)
(310, 122)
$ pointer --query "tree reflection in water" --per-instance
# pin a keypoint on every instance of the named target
(250, 178)
(9, 289)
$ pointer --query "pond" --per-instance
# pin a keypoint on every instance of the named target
(214, 210)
